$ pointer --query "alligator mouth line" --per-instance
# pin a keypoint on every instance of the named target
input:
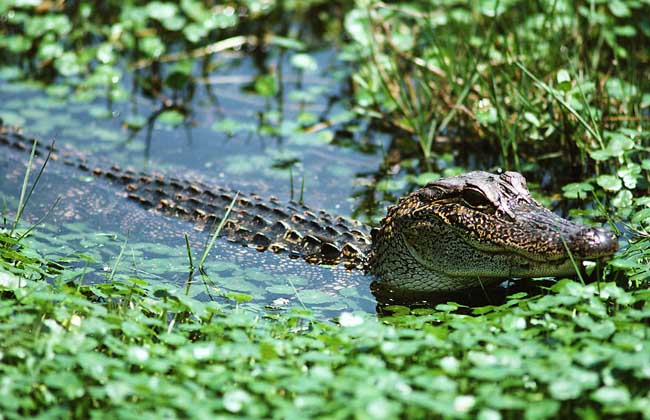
(592, 253)
(527, 266)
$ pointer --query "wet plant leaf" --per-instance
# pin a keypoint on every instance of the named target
(609, 182)
(611, 395)
(315, 297)
(622, 199)
(266, 85)
(161, 10)
(171, 117)
(619, 8)
(239, 297)
(152, 46)
(288, 43)
(231, 127)
(580, 190)
(304, 62)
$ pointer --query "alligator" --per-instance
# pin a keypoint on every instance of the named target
(455, 233)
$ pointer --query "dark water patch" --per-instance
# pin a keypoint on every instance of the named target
(242, 138)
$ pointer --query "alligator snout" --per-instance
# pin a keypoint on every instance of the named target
(591, 243)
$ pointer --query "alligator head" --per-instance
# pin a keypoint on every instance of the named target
(476, 228)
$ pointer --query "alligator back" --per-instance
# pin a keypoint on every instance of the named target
(265, 224)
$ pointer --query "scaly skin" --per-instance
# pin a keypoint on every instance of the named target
(455, 233)
(266, 224)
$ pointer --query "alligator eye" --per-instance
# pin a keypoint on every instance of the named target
(475, 198)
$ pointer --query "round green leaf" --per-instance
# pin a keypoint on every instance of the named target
(618, 8)
(579, 190)
(608, 395)
(622, 199)
(152, 46)
(564, 389)
(171, 117)
(161, 11)
(609, 182)
(235, 400)
(266, 85)
(315, 297)
(68, 64)
(304, 62)
(239, 297)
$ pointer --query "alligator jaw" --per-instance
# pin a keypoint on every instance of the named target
(549, 239)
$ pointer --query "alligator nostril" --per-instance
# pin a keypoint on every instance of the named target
(607, 239)
(602, 241)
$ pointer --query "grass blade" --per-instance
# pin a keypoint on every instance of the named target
(23, 190)
(189, 256)
(216, 232)
(564, 103)
(117, 261)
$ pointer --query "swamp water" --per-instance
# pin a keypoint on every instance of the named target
(300, 143)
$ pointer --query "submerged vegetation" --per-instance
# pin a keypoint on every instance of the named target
(557, 90)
